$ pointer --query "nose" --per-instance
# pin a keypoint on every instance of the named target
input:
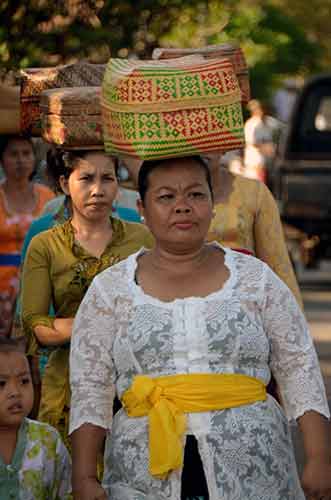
(182, 210)
(182, 206)
(97, 189)
(14, 389)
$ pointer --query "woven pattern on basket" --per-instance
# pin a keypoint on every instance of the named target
(71, 117)
(35, 80)
(229, 50)
(162, 109)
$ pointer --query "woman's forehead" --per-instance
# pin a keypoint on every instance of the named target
(180, 173)
(93, 162)
(15, 144)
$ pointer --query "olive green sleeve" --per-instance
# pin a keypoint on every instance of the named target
(36, 290)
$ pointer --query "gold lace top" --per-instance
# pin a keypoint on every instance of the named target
(249, 220)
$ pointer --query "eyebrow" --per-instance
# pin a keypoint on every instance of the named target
(21, 374)
(171, 188)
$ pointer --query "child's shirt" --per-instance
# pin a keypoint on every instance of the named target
(40, 468)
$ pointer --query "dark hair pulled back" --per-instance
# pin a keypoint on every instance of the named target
(149, 165)
(61, 163)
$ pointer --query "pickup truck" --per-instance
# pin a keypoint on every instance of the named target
(301, 177)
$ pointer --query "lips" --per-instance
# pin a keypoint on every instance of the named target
(184, 225)
(15, 408)
(97, 205)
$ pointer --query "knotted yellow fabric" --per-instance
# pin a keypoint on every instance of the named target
(166, 400)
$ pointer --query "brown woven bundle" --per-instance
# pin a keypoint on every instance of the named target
(231, 51)
(35, 80)
(71, 117)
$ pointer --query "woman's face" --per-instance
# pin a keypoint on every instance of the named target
(178, 204)
(18, 160)
(92, 186)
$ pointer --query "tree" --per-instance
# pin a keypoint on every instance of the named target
(41, 33)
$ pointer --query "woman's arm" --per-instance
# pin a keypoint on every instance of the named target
(316, 432)
(36, 297)
(92, 379)
(294, 363)
(87, 445)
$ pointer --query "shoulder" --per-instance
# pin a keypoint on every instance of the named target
(44, 191)
(250, 271)
(245, 184)
(45, 238)
(115, 280)
(137, 235)
(39, 431)
(42, 223)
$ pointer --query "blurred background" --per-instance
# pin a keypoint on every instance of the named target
(280, 39)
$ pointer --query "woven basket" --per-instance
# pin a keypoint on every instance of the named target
(178, 107)
(229, 50)
(71, 117)
(35, 80)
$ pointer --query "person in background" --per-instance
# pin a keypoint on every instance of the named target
(284, 99)
(246, 218)
(64, 260)
(261, 137)
(21, 201)
(34, 463)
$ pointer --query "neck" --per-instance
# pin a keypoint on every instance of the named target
(17, 187)
(8, 430)
(221, 179)
(88, 227)
(167, 257)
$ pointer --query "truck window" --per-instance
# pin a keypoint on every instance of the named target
(323, 116)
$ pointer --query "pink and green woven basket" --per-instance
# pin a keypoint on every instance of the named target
(171, 108)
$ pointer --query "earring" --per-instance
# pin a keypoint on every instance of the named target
(142, 219)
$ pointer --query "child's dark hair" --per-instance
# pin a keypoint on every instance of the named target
(8, 344)
(149, 165)
(61, 162)
(5, 139)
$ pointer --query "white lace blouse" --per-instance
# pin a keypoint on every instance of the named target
(252, 325)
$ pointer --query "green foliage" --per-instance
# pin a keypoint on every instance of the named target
(46, 33)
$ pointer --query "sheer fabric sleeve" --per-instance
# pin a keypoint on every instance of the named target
(293, 359)
(92, 373)
(270, 245)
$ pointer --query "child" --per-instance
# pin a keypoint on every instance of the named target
(34, 463)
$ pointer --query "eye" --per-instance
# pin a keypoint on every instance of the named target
(166, 197)
(197, 194)
(109, 178)
(2, 383)
(25, 381)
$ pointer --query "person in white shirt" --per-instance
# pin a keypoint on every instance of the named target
(261, 135)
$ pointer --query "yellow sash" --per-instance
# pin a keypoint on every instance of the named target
(166, 400)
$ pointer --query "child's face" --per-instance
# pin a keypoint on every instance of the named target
(16, 389)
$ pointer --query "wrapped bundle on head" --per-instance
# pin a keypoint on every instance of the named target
(35, 80)
(171, 108)
(230, 50)
(71, 117)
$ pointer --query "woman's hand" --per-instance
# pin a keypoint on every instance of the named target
(58, 335)
(89, 489)
(316, 479)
